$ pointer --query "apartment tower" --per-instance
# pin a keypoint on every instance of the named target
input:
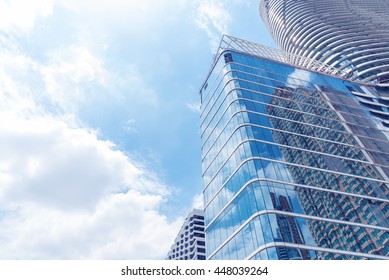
(351, 35)
(190, 241)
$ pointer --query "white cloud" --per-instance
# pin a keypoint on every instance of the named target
(213, 18)
(66, 194)
(66, 79)
(123, 226)
(75, 62)
(130, 126)
(194, 107)
(216, 16)
(198, 201)
(68, 69)
(54, 164)
(136, 16)
(29, 85)
(15, 93)
(20, 15)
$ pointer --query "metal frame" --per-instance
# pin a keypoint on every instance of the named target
(235, 44)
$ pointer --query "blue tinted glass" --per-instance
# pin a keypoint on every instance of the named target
(301, 146)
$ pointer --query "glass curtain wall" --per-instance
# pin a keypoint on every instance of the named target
(294, 166)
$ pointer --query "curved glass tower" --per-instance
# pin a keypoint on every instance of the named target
(294, 166)
(351, 35)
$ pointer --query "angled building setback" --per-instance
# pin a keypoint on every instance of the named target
(190, 241)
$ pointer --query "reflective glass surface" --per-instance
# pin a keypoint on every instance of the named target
(295, 165)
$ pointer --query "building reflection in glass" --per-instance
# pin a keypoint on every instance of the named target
(294, 166)
(313, 108)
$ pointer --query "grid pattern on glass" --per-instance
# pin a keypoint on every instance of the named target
(291, 157)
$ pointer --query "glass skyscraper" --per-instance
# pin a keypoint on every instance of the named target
(351, 35)
(295, 166)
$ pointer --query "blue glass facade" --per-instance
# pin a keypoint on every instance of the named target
(294, 166)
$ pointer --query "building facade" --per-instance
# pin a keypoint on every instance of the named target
(190, 241)
(294, 165)
(351, 35)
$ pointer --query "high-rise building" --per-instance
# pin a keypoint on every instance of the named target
(295, 166)
(351, 35)
(190, 241)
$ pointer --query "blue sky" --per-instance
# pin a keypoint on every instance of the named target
(99, 130)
